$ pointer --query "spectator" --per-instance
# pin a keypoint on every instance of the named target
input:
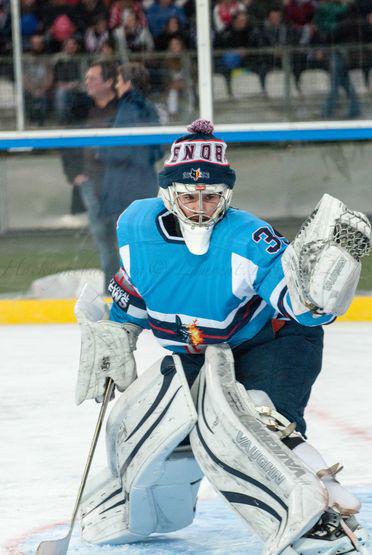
(242, 29)
(67, 74)
(274, 31)
(130, 172)
(85, 169)
(275, 34)
(160, 12)
(61, 30)
(241, 34)
(30, 22)
(298, 13)
(171, 30)
(356, 29)
(107, 49)
(37, 81)
(61, 22)
(137, 37)
(92, 10)
(96, 35)
(258, 9)
(5, 29)
(339, 78)
(121, 8)
(223, 13)
(326, 16)
(176, 75)
(347, 30)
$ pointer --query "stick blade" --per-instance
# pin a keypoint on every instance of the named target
(54, 547)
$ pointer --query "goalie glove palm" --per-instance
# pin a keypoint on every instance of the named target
(322, 265)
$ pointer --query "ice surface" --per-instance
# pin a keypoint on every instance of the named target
(45, 439)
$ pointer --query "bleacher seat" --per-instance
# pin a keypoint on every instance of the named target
(357, 79)
(219, 87)
(314, 81)
(275, 84)
(7, 94)
(245, 84)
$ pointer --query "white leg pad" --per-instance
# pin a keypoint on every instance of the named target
(264, 482)
(150, 484)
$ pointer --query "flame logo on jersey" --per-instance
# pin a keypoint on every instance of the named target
(195, 334)
(190, 332)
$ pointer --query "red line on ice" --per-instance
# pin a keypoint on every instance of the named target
(342, 425)
(13, 545)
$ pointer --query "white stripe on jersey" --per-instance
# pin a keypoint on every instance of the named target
(244, 273)
(137, 312)
(274, 297)
(287, 307)
(259, 309)
(125, 257)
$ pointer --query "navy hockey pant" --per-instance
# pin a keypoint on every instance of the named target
(283, 363)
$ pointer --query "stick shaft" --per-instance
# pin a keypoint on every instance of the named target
(107, 396)
(60, 547)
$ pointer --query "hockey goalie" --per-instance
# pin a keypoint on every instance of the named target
(241, 312)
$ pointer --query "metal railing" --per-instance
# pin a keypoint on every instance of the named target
(287, 83)
(167, 72)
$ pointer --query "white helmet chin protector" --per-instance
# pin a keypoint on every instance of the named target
(196, 184)
(196, 220)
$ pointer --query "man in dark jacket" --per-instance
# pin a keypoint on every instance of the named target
(130, 172)
(240, 35)
(84, 168)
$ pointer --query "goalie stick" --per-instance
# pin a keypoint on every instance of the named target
(60, 547)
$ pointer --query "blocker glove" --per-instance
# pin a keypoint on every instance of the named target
(106, 348)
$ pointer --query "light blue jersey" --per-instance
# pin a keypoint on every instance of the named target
(190, 301)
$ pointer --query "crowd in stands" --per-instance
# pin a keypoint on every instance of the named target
(107, 27)
(95, 24)
(152, 24)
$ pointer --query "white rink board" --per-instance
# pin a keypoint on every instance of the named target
(45, 439)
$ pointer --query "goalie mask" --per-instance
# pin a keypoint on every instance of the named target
(196, 184)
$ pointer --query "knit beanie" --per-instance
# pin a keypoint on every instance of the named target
(198, 157)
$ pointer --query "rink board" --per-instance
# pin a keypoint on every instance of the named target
(61, 311)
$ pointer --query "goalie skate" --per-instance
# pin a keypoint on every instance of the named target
(332, 535)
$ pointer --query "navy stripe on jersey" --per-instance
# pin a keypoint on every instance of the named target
(281, 307)
(176, 331)
(123, 292)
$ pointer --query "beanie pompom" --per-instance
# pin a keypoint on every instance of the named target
(201, 126)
